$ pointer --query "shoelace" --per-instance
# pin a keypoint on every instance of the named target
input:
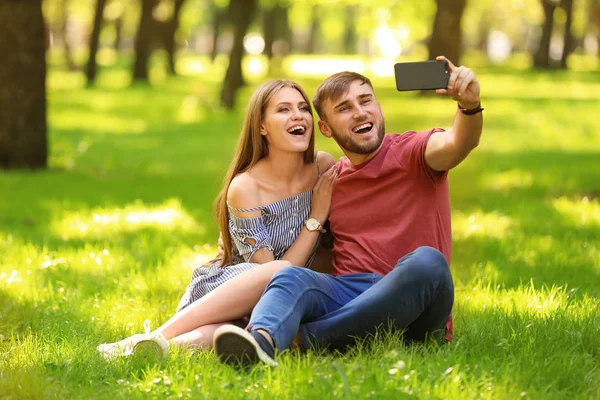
(147, 329)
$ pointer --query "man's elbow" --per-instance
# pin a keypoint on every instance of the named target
(459, 156)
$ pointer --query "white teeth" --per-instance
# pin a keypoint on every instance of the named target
(368, 125)
(296, 128)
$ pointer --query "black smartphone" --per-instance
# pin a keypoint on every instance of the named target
(423, 75)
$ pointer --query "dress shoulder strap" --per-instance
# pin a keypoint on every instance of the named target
(244, 209)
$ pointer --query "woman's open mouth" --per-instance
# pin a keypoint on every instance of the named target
(297, 130)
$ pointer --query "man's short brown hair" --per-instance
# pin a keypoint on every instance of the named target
(334, 87)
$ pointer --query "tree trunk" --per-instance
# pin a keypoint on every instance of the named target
(541, 59)
(23, 142)
(595, 16)
(64, 19)
(568, 40)
(284, 32)
(143, 41)
(446, 38)
(270, 30)
(483, 32)
(350, 30)
(171, 31)
(94, 42)
(219, 17)
(311, 44)
(240, 14)
(118, 33)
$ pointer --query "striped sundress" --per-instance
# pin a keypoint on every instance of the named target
(276, 229)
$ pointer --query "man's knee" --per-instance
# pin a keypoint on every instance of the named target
(293, 280)
(293, 276)
(430, 265)
(287, 272)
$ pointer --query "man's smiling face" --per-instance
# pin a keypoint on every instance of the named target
(355, 121)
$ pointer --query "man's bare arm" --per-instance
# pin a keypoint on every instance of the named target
(445, 150)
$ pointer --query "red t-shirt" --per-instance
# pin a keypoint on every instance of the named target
(385, 208)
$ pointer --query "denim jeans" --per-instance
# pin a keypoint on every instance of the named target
(332, 311)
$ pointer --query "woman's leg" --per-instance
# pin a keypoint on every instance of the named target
(232, 300)
(202, 337)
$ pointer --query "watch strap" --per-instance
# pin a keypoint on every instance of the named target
(470, 111)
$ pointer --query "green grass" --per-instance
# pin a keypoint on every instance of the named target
(106, 238)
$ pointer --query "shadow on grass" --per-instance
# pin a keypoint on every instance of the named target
(530, 347)
(542, 243)
(521, 254)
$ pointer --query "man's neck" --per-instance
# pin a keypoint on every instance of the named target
(357, 159)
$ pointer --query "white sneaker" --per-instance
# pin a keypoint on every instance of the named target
(142, 343)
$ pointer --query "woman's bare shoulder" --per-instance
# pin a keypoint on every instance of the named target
(243, 193)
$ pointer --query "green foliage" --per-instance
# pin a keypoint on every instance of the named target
(106, 239)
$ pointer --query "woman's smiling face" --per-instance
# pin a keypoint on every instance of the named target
(288, 123)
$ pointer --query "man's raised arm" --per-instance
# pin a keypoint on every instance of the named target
(445, 150)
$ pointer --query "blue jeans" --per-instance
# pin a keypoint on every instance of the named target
(332, 311)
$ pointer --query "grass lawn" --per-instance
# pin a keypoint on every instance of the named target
(106, 238)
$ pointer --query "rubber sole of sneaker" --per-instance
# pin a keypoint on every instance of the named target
(147, 349)
(235, 346)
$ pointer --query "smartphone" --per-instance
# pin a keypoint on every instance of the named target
(423, 75)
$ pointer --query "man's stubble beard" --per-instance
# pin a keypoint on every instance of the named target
(351, 146)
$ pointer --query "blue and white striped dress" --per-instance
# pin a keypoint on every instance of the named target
(276, 229)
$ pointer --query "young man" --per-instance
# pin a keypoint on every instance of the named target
(390, 218)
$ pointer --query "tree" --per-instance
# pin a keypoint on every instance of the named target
(595, 15)
(284, 31)
(568, 40)
(170, 31)
(446, 38)
(313, 34)
(64, 19)
(240, 14)
(276, 29)
(23, 142)
(94, 42)
(143, 40)
(219, 18)
(350, 38)
(541, 58)
(270, 29)
(118, 23)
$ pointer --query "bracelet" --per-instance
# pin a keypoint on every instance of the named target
(471, 111)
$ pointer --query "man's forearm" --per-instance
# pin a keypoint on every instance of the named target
(466, 130)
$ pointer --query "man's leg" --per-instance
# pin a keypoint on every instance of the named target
(296, 295)
(416, 295)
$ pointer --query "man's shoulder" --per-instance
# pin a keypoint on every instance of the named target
(412, 135)
(410, 138)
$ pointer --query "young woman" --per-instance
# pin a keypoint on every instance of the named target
(270, 211)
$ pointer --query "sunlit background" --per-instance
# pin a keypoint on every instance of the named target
(106, 234)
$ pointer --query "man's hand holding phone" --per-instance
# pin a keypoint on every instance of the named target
(463, 85)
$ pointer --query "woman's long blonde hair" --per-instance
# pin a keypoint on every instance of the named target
(251, 147)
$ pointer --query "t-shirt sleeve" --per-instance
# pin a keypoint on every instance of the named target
(246, 230)
(411, 154)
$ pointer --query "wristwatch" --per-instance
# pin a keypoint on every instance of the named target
(313, 224)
